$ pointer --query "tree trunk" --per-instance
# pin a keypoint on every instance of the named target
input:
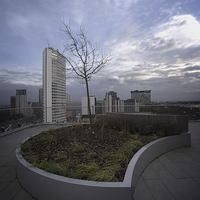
(88, 98)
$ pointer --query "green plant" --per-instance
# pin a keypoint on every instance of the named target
(77, 148)
(26, 147)
(84, 171)
(56, 168)
(61, 158)
(90, 155)
(134, 137)
(43, 137)
(106, 174)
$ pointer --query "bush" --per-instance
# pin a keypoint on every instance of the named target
(136, 125)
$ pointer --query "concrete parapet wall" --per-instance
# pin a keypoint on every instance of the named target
(43, 185)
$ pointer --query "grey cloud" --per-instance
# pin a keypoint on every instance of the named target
(156, 44)
(193, 75)
(108, 81)
(14, 72)
(192, 68)
(172, 56)
(182, 23)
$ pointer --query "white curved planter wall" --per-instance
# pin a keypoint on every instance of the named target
(43, 185)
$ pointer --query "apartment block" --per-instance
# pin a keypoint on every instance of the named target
(112, 103)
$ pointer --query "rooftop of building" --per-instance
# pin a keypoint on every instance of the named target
(141, 91)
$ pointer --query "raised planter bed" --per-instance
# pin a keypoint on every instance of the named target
(44, 185)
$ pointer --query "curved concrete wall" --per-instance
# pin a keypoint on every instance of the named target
(44, 185)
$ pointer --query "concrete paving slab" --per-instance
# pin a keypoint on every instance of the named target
(149, 174)
(4, 161)
(10, 191)
(144, 193)
(9, 176)
(182, 189)
(194, 155)
(196, 144)
(164, 160)
(190, 170)
(182, 150)
(11, 163)
(4, 170)
(197, 180)
(22, 195)
(184, 157)
(195, 164)
(7, 158)
(158, 190)
(174, 158)
(3, 184)
(176, 171)
(160, 170)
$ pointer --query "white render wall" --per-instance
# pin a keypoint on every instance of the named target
(54, 86)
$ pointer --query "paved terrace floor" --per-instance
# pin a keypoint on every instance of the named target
(10, 188)
(174, 175)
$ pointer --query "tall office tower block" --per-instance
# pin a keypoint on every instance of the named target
(54, 86)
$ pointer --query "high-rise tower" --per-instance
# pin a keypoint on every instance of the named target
(54, 86)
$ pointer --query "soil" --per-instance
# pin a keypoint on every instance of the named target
(77, 142)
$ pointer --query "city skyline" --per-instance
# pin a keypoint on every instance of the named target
(155, 46)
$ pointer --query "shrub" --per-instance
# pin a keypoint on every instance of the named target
(77, 148)
(106, 174)
(56, 168)
(139, 125)
(84, 171)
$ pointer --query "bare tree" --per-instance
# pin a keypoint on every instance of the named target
(84, 58)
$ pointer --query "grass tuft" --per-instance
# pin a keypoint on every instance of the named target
(77, 148)
(106, 174)
(84, 171)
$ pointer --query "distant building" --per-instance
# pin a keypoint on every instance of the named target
(68, 97)
(85, 111)
(143, 97)
(12, 104)
(131, 106)
(21, 104)
(99, 106)
(74, 109)
(12, 101)
(112, 103)
(54, 86)
(40, 96)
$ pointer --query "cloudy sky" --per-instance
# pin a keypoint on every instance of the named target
(155, 45)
